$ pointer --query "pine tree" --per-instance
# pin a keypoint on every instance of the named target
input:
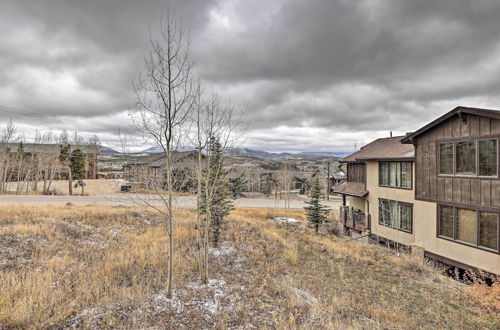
(268, 185)
(219, 194)
(237, 186)
(77, 166)
(316, 212)
(65, 159)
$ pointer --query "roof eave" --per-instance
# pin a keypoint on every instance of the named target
(460, 109)
(351, 194)
(389, 159)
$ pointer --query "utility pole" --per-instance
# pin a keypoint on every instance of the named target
(328, 181)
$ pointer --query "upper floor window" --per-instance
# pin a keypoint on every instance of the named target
(469, 158)
(395, 174)
(476, 228)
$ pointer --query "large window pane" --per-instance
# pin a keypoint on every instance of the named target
(406, 217)
(467, 226)
(406, 175)
(395, 174)
(394, 217)
(384, 212)
(465, 155)
(446, 158)
(384, 174)
(488, 157)
(488, 230)
(446, 221)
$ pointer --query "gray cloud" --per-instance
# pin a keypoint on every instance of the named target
(349, 70)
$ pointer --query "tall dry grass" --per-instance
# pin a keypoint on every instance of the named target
(104, 267)
(60, 260)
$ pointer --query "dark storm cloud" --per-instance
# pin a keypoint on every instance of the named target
(350, 70)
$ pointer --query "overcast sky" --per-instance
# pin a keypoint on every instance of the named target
(313, 75)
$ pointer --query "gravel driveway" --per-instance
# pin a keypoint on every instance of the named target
(132, 199)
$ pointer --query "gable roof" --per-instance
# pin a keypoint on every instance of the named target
(457, 111)
(389, 148)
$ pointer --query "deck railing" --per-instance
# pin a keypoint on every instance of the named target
(353, 218)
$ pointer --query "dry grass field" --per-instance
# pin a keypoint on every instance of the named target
(104, 267)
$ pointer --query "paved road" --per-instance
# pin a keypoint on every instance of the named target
(182, 201)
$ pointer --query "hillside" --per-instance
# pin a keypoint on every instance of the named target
(104, 267)
(312, 155)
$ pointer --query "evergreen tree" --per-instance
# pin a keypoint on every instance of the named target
(267, 185)
(77, 166)
(65, 159)
(219, 196)
(316, 212)
(237, 186)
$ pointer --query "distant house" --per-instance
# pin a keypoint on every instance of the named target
(150, 170)
(36, 150)
(338, 176)
(436, 190)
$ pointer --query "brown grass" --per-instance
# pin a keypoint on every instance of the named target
(104, 267)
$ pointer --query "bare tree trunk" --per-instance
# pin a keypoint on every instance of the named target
(170, 225)
(70, 182)
(198, 200)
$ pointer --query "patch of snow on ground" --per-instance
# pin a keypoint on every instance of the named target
(224, 249)
(211, 298)
(228, 254)
(287, 220)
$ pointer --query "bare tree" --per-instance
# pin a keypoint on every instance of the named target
(123, 142)
(95, 147)
(7, 136)
(215, 123)
(166, 95)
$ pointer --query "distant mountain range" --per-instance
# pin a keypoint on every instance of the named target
(244, 152)
(151, 150)
(108, 151)
(253, 153)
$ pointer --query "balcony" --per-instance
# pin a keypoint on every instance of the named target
(354, 219)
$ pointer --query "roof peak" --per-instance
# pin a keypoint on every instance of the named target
(492, 113)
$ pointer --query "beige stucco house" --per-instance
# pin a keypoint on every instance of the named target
(436, 190)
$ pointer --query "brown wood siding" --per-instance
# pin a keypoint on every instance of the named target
(356, 173)
(461, 190)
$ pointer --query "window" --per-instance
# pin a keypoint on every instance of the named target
(446, 158)
(469, 158)
(406, 175)
(476, 228)
(395, 214)
(446, 221)
(465, 158)
(395, 174)
(487, 157)
(406, 216)
(466, 226)
(384, 213)
(488, 229)
(384, 174)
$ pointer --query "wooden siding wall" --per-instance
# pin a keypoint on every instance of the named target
(429, 185)
(356, 173)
